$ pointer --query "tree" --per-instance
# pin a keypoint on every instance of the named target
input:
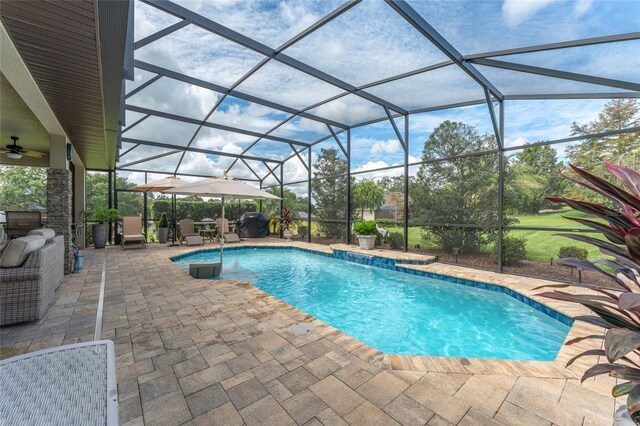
(96, 190)
(97, 195)
(22, 186)
(392, 183)
(531, 175)
(329, 192)
(622, 149)
(459, 191)
(367, 195)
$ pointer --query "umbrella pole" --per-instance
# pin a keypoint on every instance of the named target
(222, 234)
(173, 220)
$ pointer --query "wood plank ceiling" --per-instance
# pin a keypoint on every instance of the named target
(60, 43)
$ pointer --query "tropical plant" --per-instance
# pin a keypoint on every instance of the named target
(104, 215)
(286, 219)
(163, 221)
(574, 252)
(366, 227)
(618, 313)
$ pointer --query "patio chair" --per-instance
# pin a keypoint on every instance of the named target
(131, 231)
(219, 225)
(188, 233)
(229, 237)
(20, 223)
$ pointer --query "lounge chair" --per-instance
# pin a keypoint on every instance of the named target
(220, 225)
(20, 223)
(229, 237)
(188, 233)
(131, 231)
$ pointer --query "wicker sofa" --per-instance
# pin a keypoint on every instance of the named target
(27, 291)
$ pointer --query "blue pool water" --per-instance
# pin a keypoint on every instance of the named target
(395, 312)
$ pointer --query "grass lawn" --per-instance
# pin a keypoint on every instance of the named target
(541, 245)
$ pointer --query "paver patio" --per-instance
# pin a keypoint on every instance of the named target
(221, 353)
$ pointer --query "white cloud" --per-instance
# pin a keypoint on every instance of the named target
(533, 121)
(349, 109)
(201, 164)
(176, 97)
(582, 6)
(389, 147)
(517, 11)
(365, 44)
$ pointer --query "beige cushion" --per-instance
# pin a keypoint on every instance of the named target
(19, 249)
(231, 238)
(45, 232)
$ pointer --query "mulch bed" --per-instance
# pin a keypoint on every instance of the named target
(544, 270)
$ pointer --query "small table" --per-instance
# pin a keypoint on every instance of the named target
(210, 232)
(71, 385)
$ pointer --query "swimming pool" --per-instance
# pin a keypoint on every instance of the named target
(396, 312)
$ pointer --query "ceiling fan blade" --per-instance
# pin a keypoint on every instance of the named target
(34, 154)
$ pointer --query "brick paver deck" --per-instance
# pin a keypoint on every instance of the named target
(202, 352)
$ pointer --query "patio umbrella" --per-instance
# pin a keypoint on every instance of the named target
(161, 186)
(224, 188)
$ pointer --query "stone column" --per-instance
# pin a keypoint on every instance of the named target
(59, 215)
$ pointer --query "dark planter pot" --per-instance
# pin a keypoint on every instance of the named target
(163, 235)
(100, 232)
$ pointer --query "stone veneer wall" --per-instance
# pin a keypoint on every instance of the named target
(59, 215)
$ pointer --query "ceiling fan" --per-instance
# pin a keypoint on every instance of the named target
(15, 151)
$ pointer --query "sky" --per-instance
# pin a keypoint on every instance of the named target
(366, 44)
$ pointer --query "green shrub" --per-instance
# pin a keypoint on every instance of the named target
(302, 231)
(396, 241)
(365, 228)
(513, 250)
(163, 222)
(573, 252)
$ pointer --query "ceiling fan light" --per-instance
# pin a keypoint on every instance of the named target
(14, 155)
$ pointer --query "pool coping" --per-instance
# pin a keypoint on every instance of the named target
(457, 275)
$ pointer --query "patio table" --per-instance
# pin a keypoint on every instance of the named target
(211, 233)
(68, 385)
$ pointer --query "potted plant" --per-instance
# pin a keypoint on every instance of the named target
(618, 312)
(100, 230)
(285, 221)
(367, 234)
(163, 228)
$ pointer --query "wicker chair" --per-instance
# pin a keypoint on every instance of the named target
(27, 291)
